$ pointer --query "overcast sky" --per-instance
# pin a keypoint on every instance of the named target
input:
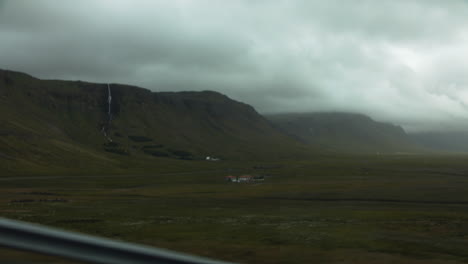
(404, 61)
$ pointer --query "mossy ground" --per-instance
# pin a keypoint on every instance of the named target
(335, 209)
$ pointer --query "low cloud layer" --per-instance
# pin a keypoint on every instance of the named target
(402, 61)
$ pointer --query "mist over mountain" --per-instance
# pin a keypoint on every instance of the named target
(57, 123)
(367, 57)
(456, 141)
(345, 132)
(249, 131)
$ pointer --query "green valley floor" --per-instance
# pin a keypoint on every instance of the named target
(329, 209)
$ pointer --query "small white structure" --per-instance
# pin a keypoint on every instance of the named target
(212, 158)
(241, 178)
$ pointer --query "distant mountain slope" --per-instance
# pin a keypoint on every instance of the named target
(449, 141)
(344, 132)
(48, 122)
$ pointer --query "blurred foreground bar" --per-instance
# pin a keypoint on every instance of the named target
(50, 241)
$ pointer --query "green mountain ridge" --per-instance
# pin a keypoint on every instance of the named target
(48, 123)
(65, 127)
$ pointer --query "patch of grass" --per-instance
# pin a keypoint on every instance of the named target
(182, 154)
(140, 139)
(332, 209)
(156, 153)
(153, 146)
(119, 151)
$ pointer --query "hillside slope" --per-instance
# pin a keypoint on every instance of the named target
(47, 123)
(345, 132)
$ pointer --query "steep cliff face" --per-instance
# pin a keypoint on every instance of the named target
(345, 132)
(202, 123)
(72, 118)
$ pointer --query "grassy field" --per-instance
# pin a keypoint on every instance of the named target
(329, 209)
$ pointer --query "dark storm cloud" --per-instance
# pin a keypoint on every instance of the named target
(398, 61)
